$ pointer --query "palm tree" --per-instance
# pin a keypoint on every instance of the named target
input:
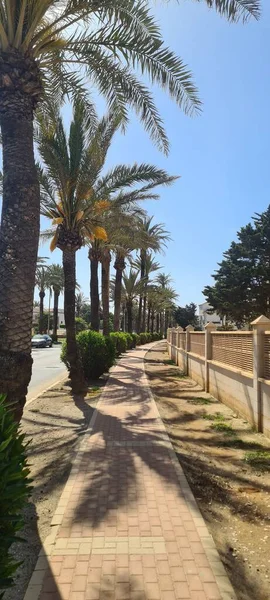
(68, 200)
(115, 187)
(43, 43)
(131, 288)
(80, 301)
(150, 266)
(42, 282)
(157, 237)
(56, 282)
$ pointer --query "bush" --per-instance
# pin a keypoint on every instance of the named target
(145, 338)
(135, 340)
(80, 324)
(120, 342)
(97, 353)
(129, 340)
(156, 337)
(14, 490)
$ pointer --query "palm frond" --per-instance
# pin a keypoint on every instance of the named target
(235, 10)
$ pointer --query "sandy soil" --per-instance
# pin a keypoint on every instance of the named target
(213, 446)
(54, 423)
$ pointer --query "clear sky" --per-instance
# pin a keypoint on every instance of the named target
(222, 156)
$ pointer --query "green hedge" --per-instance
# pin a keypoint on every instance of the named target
(14, 491)
(120, 342)
(97, 352)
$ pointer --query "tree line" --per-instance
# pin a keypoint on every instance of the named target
(241, 291)
(52, 52)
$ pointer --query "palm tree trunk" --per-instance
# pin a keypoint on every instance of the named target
(129, 315)
(166, 322)
(94, 294)
(119, 266)
(19, 236)
(152, 321)
(41, 311)
(76, 374)
(148, 317)
(55, 314)
(139, 322)
(157, 322)
(161, 321)
(144, 313)
(105, 262)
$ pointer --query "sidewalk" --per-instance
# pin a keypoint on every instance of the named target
(127, 526)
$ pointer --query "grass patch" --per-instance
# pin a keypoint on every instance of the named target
(179, 374)
(200, 400)
(168, 362)
(93, 390)
(241, 444)
(223, 428)
(215, 417)
(259, 459)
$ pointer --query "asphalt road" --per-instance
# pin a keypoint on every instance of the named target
(47, 370)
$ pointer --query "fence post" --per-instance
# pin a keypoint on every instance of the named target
(189, 329)
(178, 331)
(169, 341)
(259, 327)
(208, 351)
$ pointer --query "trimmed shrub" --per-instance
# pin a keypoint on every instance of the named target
(129, 340)
(136, 340)
(97, 353)
(14, 491)
(145, 338)
(120, 342)
(156, 337)
(80, 324)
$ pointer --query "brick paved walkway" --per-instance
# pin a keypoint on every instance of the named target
(127, 526)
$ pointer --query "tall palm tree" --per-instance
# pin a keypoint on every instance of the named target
(80, 301)
(164, 282)
(42, 282)
(56, 282)
(131, 288)
(115, 187)
(68, 200)
(158, 237)
(43, 43)
(150, 266)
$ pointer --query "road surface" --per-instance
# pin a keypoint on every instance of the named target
(47, 370)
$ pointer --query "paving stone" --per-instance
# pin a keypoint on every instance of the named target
(127, 526)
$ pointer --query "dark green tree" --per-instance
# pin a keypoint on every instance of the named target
(242, 283)
(186, 315)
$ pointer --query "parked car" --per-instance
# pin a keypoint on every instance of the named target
(41, 341)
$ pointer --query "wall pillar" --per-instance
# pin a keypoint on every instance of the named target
(169, 341)
(189, 329)
(178, 331)
(208, 351)
(259, 327)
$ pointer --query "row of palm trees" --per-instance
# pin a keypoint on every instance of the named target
(49, 277)
(156, 294)
(51, 51)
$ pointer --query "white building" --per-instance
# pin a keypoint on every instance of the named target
(61, 316)
(206, 317)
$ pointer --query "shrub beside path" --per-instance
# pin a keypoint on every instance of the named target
(127, 526)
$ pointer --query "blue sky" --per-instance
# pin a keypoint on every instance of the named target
(222, 156)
